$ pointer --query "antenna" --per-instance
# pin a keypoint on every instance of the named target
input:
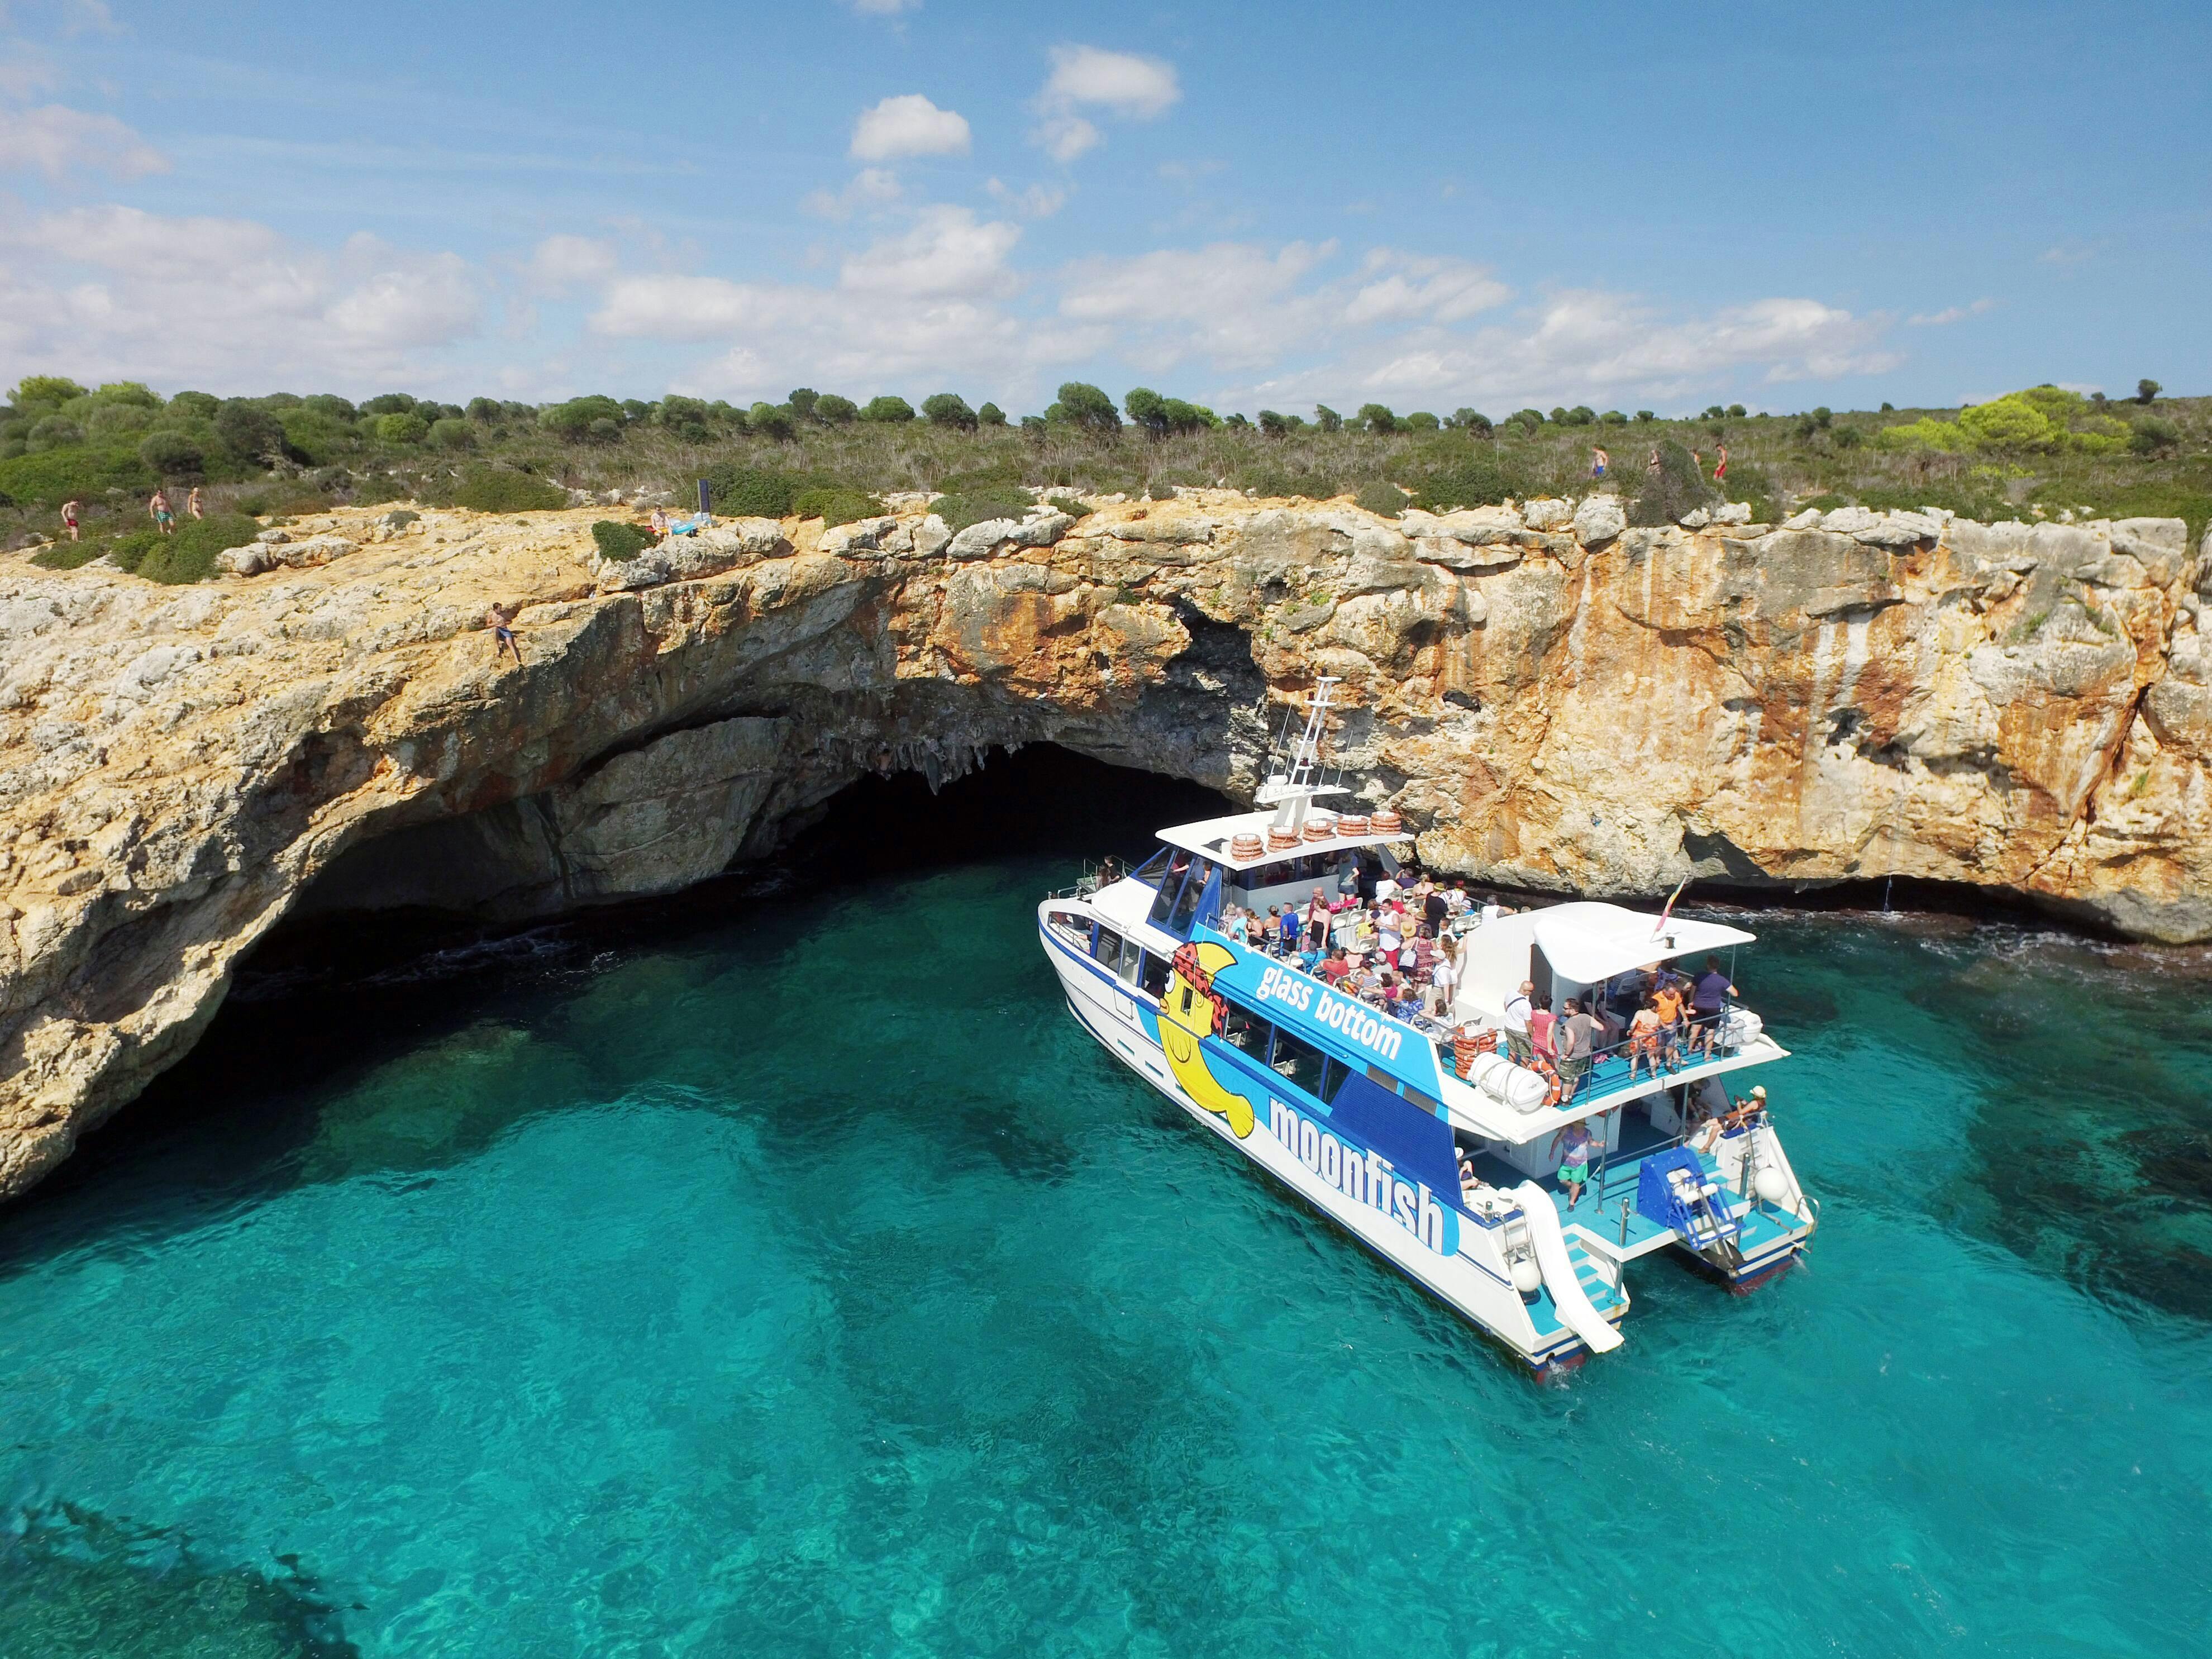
(1300, 780)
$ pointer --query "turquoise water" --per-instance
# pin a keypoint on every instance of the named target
(804, 1282)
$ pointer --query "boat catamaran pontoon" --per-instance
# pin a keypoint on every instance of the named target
(1372, 1118)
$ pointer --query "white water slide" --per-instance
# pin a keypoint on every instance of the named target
(1575, 1306)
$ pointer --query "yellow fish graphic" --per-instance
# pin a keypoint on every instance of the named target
(1186, 1016)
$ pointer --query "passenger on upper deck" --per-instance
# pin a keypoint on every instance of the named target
(1708, 1000)
(1518, 1011)
(1571, 1043)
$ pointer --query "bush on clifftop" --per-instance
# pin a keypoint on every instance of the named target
(500, 490)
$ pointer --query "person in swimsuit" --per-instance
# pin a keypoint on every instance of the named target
(500, 620)
(1599, 461)
(69, 518)
(158, 509)
(193, 501)
(1575, 1145)
(1720, 466)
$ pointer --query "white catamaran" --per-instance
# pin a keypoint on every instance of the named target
(1429, 1145)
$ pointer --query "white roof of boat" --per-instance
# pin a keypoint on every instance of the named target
(1210, 838)
(1588, 941)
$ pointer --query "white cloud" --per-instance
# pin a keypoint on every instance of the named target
(884, 7)
(908, 124)
(1140, 88)
(110, 291)
(1120, 82)
(1234, 304)
(1950, 314)
(666, 307)
(948, 253)
(1424, 290)
(55, 140)
(871, 187)
(2067, 253)
(562, 263)
(1037, 202)
(932, 301)
(1065, 136)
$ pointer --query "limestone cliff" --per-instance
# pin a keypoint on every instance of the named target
(1552, 699)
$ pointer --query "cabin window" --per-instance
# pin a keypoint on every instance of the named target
(1334, 1071)
(1420, 1099)
(1171, 887)
(1246, 1031)
(1299, 1061)
(1152, 868)
(1131, 957)
(1108, 950)
(1186, 907)
(1153, 977)
(1069, 926)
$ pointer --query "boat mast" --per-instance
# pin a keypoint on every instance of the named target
(1291, 790)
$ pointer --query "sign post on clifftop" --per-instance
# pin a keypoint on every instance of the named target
(703, 495)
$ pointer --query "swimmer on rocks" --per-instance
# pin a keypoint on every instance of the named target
(500, 620)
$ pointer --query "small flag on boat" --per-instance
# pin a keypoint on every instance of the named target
(1667, 914)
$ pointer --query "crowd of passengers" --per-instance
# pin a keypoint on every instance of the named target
(1395, 941)
(1392, 940)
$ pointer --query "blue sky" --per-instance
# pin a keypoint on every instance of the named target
(1432, 206)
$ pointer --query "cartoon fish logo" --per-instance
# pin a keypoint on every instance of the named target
(1186, 1016)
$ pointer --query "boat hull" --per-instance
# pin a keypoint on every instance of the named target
(1470, 1274)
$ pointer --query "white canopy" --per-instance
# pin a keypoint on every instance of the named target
(1586, 941)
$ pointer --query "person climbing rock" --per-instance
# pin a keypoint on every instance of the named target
(500, 620)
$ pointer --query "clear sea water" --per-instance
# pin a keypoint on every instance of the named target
(784, 1273)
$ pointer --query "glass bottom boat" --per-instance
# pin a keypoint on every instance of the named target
(1438, 1142)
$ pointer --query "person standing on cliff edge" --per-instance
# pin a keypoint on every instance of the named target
(500, 620)
(1720, 466)
(1599, 461)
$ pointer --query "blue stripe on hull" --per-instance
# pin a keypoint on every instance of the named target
(1542, 1359)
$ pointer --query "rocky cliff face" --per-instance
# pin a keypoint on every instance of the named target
(1553, 701)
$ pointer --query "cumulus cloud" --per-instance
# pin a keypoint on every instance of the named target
(1089, 77)
(56, 141)
(933, 299)
(1423, 290)
(561, 264)
(871, 187)
(1036, 202)
(908, 124)
(113, 291)
(1950, 314)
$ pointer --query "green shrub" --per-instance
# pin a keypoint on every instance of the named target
(771, 420)
(620, 541)
(172, 455)
(1645, 415)
(1160, 489)
(1422, 421)
(746, 492)
(2153, 434)
(949, 409)
(54, 432)
(889, 409)
(991, 414)
(1328, 419)
(1375, 417)
(388, 403)
(449, 433)
(409, 428)
(1384, 498)
(490, 490)
(1069, 505)
(831, 409)
(1675, 490)
(1475, 480)
(836, 504)
(56, 476)
(67, 556)
(2146, 391)
(112, 420)
(960, 511)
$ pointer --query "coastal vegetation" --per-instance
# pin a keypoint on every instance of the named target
(2039, 451)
